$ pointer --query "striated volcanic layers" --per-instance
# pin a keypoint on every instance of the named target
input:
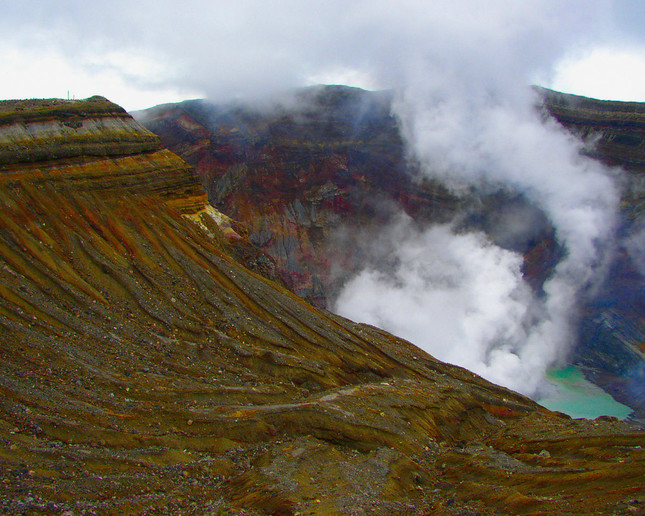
(145, 371)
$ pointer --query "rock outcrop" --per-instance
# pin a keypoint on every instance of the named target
(92, 145)
(145, 371)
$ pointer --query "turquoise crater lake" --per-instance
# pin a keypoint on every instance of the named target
(578, 397)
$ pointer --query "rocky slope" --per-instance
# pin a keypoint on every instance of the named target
(309, 177)
(145, 371)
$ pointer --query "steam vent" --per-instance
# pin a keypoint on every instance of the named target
(145, 371)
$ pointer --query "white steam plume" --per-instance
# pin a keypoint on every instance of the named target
(469, 119)
(456, 295)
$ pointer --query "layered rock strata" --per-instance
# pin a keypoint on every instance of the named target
(91, 145)
(144, 371)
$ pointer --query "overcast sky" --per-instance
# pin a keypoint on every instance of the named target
(141, 53)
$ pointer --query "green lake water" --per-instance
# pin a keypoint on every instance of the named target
(578, 397)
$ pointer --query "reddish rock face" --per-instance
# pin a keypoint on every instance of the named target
(295, 176)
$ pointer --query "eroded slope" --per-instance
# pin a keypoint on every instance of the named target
(144, 371)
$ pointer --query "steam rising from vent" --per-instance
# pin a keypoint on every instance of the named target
(469, 120)
(456, 295)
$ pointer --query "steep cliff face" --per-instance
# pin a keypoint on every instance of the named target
(95, 146)
(308, 175)
(293, 173)
(619, 127)
(144, 371)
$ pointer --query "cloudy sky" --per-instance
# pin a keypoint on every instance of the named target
(142, 53)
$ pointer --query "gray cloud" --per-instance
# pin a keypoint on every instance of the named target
(226, 48)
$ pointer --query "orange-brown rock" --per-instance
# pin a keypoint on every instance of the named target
(144, 371)
(91, 145)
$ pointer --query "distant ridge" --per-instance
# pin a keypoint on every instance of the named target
(619, 125)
